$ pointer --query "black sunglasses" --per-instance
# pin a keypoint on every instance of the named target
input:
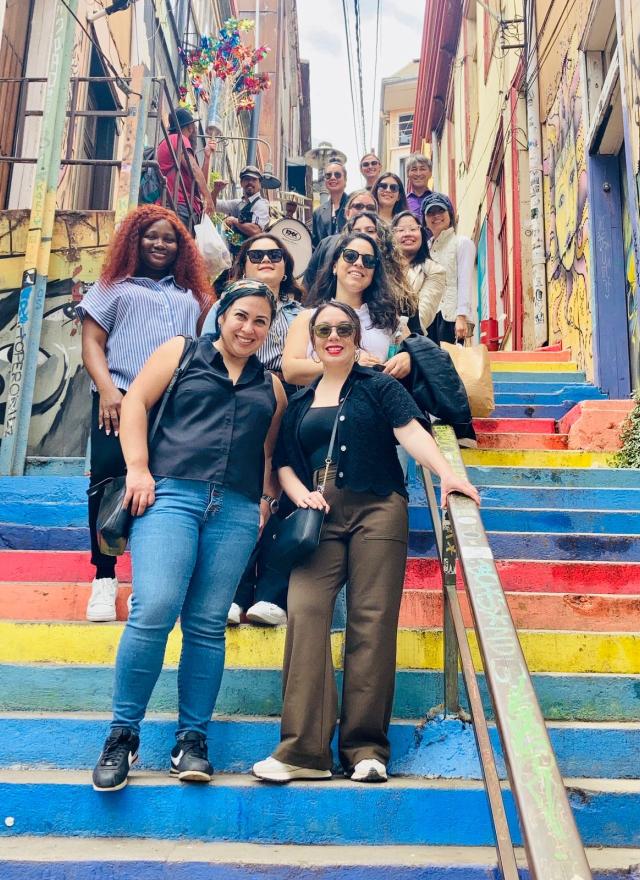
(369, 164)
(361, 206)
(349, 255)
(393, 187)
(274, 255)
(330, 174)
(344, 329)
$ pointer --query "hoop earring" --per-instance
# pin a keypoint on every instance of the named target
(357, 354)
(284, 277)
(315, 357)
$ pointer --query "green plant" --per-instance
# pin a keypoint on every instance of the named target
(629, 454)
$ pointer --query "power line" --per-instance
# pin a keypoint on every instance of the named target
(375, 73)
(356, 8)
(345, 17)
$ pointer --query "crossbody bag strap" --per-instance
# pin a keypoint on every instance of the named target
(186, 357)
(332, 442)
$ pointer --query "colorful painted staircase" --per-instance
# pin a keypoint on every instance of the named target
(565, 529)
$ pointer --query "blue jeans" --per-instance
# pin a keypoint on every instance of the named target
(188, 553)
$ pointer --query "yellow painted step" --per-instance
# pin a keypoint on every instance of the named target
(536, 458)
(250, 647)
(533, 367)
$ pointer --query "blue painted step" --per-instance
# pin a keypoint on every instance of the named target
(588, 478)
(442, 749)
(548, 399)
(520, 411)
(69, 688)
(552, 378)
(552, 499)
(503, 387)
(402, 812)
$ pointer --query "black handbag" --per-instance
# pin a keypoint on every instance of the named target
(298, 534)
(114, 519)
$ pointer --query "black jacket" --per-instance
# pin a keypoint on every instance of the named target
(321, 227)
(436, 386)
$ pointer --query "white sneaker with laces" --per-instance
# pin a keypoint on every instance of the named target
(272, 770)
(369, 770)
(267, 613)
(233, 614)
(101, 607)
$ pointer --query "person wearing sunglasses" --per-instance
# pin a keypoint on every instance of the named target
(262, 593)
(359, 201)
(195, 496)
(426, 277)
(357, 276)
(388, 192)
(329, 218)
(363, 542)
(456, 254)
(370, 167)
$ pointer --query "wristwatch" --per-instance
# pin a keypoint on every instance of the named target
(274, 504)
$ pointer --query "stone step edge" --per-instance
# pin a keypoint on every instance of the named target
(125, 849)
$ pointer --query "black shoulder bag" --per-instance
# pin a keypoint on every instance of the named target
(298, 534)
(114, 519)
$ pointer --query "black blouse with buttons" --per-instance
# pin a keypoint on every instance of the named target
(365, 454)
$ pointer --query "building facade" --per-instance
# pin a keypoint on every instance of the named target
(397, 105)
(126, 77)
(532, 115)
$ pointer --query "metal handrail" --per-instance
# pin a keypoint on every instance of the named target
(552, 843)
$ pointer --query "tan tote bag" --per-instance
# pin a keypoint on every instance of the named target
(473, 366)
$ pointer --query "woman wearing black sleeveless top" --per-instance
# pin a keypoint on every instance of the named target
(196, 499)
(363, 543)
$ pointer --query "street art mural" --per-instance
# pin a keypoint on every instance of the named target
(565, 180)
(60, 414)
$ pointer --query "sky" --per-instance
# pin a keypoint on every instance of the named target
(323, 44)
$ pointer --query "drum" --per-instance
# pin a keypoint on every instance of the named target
(297, 239)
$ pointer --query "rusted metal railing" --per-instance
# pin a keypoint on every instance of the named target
(552, 843)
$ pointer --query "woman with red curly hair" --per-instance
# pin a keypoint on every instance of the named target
(153, 286)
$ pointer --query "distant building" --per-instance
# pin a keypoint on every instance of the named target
(397, 107)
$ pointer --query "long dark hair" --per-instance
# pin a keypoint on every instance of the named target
(289, 286)
(401, 204)
(378, 296)
(423, 253)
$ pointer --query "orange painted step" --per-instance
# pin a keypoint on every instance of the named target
(522, 441)
(540, 611)
(516, 426)
(52, 601)
(538, 356)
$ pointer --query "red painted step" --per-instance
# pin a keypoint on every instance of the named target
(507, 426)
(70, 566)
(522, 441)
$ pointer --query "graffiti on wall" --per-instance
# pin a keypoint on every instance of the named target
(565, 176)
(60, 414)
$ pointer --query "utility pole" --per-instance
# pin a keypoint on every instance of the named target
(3, 9)
(254, 129)
(22, 377)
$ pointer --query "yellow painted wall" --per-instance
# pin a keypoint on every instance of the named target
(566, 204)
(60, 419)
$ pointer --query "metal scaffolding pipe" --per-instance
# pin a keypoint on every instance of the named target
(22, 376)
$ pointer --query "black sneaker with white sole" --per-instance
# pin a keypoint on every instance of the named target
(119, 752)
(190, 758)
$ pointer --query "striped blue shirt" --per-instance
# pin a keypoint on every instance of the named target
(138, 314)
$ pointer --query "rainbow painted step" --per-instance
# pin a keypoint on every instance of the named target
(337, 812)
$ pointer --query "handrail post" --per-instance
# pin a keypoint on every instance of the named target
(22, 376)
(451, 647)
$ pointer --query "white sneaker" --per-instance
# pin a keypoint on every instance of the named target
(272, 770)
(267, 613)
(369, 770)
(101, 607)
(233, 614)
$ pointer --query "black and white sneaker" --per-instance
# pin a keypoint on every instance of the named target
(190, 758)
(119, 752)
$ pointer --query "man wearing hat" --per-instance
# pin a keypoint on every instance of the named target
(192, 191)
(247, 216)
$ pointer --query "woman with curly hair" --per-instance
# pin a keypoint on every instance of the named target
(388, 191)
(357, 276)
(153, 286)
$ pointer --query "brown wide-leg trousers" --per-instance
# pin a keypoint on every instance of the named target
(364, 543)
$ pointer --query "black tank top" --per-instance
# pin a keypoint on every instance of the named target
(214, 430)
(315, 434)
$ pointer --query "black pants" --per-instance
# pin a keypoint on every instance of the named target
(261, 584)
(106, 461)
(442, 331)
